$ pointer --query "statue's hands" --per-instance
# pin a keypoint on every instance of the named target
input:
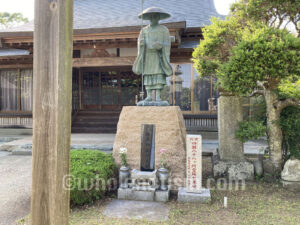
(157, 46)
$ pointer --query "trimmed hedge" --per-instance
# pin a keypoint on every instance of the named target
(90, 172)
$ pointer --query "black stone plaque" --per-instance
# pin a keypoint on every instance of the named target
(148, 147)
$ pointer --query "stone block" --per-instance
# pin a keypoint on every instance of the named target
(230, 113)
(234, 170)
(144, 180)
(130, 194)
(142, 195)
(291, 171)
(162, 196)
(124, 193)
(170, 134)
(203, 197)
(268, 166)
(290, 185)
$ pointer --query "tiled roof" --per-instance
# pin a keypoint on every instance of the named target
(123, 13)
(13, 52)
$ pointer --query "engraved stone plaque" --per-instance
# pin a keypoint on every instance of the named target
(148, 147)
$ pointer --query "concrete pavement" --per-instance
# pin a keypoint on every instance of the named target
(15, 187)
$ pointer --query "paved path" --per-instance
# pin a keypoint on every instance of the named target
(152, 211)
(104, 142)
(15, 182)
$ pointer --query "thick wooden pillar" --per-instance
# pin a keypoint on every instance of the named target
(52, 105)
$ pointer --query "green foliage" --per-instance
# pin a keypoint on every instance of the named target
(219, 37)
(90, 172)
(11, 19)
(124, 159)
(269, 55)
(290, 125)
(250, 130)
(276, 13)
(289, 88)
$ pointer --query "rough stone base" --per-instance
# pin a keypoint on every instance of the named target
(234, 170)
(203, 197)
(142, 195)
(170, 134)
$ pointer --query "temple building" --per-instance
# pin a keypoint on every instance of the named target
(104, 49)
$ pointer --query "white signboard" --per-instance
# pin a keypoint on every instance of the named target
(194, 163)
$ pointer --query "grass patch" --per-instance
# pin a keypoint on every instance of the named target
(260, 203)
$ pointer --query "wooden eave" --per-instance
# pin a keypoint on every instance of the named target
(83, 38)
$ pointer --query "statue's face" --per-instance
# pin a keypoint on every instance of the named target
(154, 18)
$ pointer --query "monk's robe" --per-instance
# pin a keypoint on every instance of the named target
(152, 62)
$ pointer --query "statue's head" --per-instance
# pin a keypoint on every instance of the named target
(154, 14)
(154, 18)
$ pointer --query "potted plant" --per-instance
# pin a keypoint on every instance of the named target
(124, 170)
(163, 172)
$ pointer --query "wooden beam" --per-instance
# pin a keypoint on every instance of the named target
(19, 41)
(52, 108)
(103, 61)
(28, 34)
(16, 66)
(103, 45)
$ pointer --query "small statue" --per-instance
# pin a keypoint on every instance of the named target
(153, 60)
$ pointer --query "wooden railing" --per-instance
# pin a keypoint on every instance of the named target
(201, 122)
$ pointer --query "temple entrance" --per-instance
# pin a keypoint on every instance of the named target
(99, 95)
(108, 90)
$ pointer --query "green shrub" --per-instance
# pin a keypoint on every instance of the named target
(290, 125)
(250, 130)
(90, 172)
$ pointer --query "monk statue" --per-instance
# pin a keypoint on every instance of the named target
(153, 60)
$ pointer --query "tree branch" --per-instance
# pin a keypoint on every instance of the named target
(261, 84)
(256, 92)
(287, 102)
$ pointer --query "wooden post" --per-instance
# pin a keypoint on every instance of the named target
(52, 89)
(192, 88)
(80, 89)
(19, 90)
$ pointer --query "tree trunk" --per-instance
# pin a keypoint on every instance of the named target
(274, 130)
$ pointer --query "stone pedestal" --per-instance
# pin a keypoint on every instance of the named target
(203, 197)
(230, 113)
(170, 134)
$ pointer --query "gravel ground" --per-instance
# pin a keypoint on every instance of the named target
(15, 182)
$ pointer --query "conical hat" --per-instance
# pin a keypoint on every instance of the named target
(152, 10)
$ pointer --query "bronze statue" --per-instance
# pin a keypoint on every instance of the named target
(153, 60)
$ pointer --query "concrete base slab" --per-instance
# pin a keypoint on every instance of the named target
(20, 151)
(203, 197)
(3, 153)
(152, 211)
